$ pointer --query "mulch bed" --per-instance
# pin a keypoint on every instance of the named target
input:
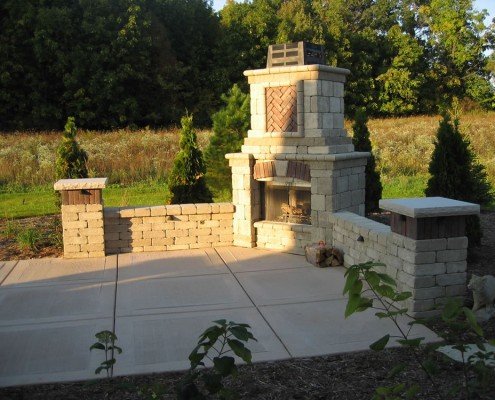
(49, 243)
(346, 376)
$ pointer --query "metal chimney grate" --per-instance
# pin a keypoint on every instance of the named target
(299, 53)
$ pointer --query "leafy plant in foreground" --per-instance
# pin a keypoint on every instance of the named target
(462, 329)
(214, 344)
(106, 342)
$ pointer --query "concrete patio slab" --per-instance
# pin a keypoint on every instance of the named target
(170, 264)
(317, 328)
(53, 303)
(191, 293)
(5, 268)
(241, 259)
(155, 343)
(53, 352)
(50, 310)
(51, 270)
(293, 285)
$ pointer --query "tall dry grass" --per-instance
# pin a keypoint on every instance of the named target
(124, 156)
(403, 146)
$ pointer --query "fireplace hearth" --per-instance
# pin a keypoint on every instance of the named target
(285, 202)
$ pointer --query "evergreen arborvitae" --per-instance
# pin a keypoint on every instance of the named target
(230, 126)
(456, 174)
(361, 141)
(186, 181)
(71, 158)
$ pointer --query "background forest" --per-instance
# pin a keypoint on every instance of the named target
(122, 63)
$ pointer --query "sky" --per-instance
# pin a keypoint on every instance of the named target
(489, 5)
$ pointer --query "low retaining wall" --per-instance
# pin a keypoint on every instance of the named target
(433, 269)
(283, 236)
(171, 227)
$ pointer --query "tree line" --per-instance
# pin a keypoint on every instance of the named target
(115, 63)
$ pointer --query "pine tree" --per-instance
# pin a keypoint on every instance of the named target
(71, 158)
(230, 126)
(186, 181)
(361, 140)
(456, 174)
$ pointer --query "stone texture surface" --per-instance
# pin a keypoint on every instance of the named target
(424, 207)
(424, 267)
(172, 227)
(83, 183)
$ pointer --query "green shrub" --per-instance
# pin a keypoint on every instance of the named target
(361, 140)
(71, 158)
(230, 126)
(186, 181)
(456, 174)
(28, 239)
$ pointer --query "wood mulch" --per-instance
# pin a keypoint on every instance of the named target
(349, 376)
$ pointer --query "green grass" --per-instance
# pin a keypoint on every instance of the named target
(42, 200)
(404, 186)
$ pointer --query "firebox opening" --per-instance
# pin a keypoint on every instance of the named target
(286, 201)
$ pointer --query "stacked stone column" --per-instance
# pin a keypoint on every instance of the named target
(246, 198)
(82, 217)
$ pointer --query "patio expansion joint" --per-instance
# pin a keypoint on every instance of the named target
(256, 306)
(8, 273)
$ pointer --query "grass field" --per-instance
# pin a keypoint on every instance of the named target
(137, 162)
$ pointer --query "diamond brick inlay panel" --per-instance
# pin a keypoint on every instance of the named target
(281, 109)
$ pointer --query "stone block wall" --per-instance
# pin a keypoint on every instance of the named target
(283, 236)
(171, 227)
(83, 232)
(433, 270)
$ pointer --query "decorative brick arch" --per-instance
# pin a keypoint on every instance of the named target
(294, 169)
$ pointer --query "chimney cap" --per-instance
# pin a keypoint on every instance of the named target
(298, 53)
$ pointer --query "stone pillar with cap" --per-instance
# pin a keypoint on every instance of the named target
(428, 238)
(82, 216)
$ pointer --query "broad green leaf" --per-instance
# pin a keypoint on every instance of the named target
(99, 369)
(221, 322)
(364, 304)
(402, 296)
(98, 346)
(240, 350)
(108, 363)
(241, 333)
(385, 291)
(387, 279)
(382, 315)
(196, 359)
(352, 275)
(380, 343)
(224, 365)
(411, 342)
(356, 288)
(119, 350)
(212, 333)
(471, 318)
(352, 304)
(372, 278)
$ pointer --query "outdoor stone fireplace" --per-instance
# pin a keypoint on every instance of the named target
(297, 165)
